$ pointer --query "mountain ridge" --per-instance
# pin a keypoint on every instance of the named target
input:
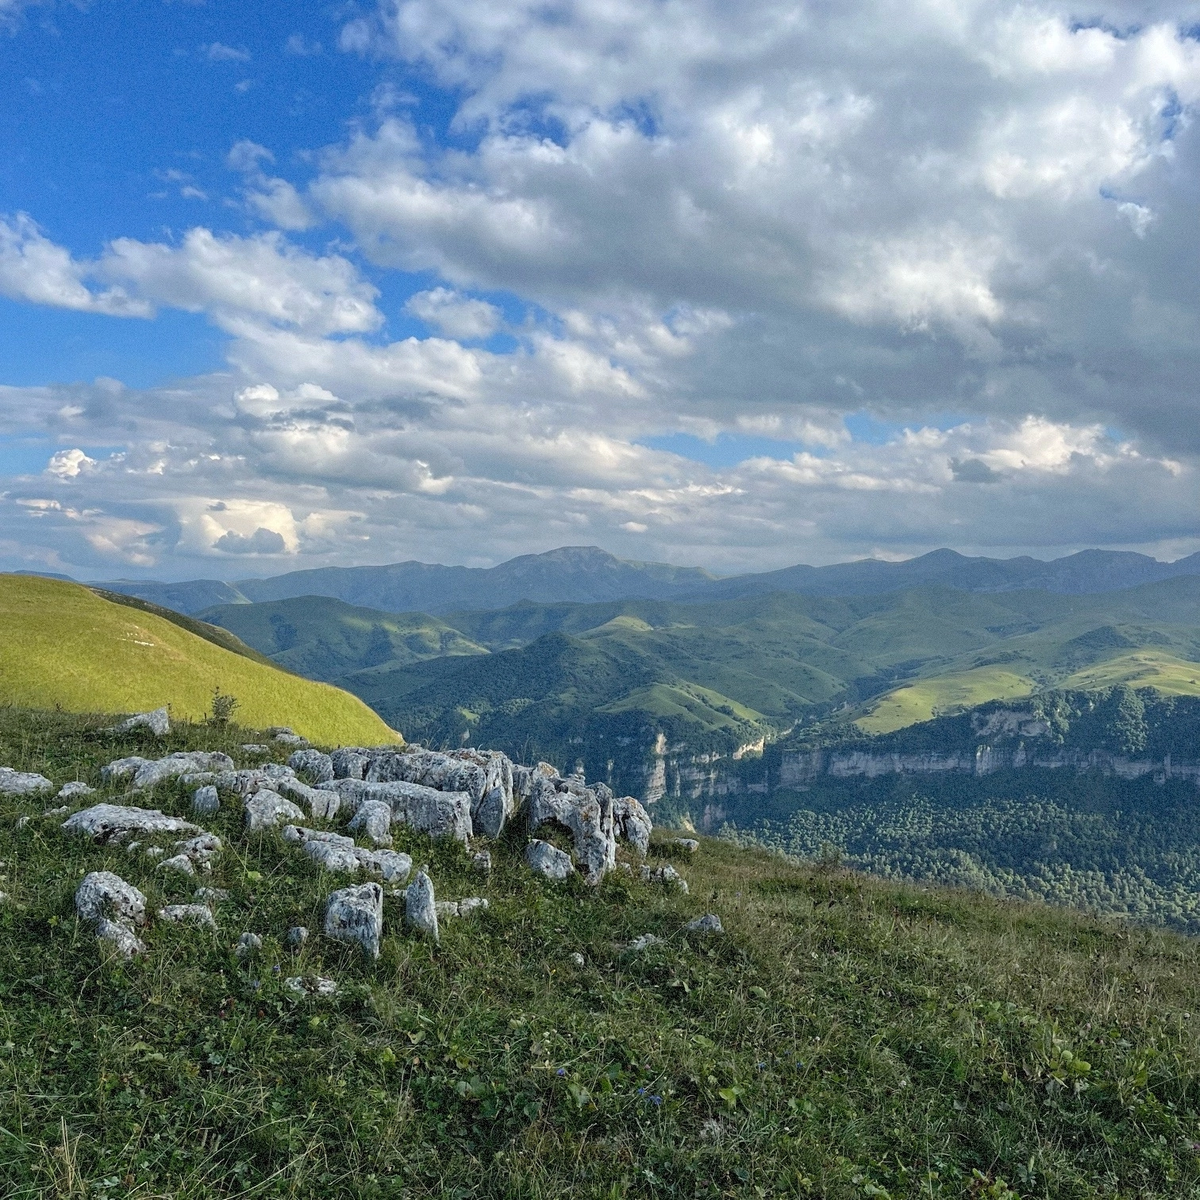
(588, 574)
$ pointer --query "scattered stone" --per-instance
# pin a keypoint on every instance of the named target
(210, 895)
(286, 736)
(545, 859)
(192, 914)
(317, 766)
(445, 908)
(482, 862)
(393, 866)
(322, 803)
(146, 772)
(644, 942)
(709, 923)
(355, 914)
(22, 783)
(420, 908)
(115, 907)
(632, 822)
(266, 808)
(247, 945)
(374, 818)
(158, 721)
(335, 852)
(62, 810)
(664, 874)
(577, 959)
(205, 800)
(69, 791)
(687, 845)
(297, 936)
(311, 985)
(112, 822)
(255, 748)
(472, 904)
(177, 862)
(200, 848)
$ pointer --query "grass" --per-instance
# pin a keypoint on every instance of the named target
(1146, 668)
(927, 698)
(66, 646)
(845, 1038)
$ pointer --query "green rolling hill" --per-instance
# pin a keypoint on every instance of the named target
(68, 647)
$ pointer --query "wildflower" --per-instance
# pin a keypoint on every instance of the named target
(641, 1091)
(561, 1072)
(656, 1101)
(760, 1066)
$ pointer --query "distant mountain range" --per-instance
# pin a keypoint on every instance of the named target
(589, 575)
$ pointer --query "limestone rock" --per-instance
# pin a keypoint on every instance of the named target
(632, 822)
(255, 748)
(588, 817)
(355, 914)
(349, 763)
(205, 800)
(158, 721)
(147, 772)
(420, 907)
(374, 818)
(644, 942)
(317, 766)
(266, 808)
(101, 894)
(439, 814)
(685, 845)
(286, 736)
(69, 791)
(177, 862)
(121, 935)
(445, 908)
(482, 862)
(391, 865)
(335, 852)
(191, 914)
(311, 985)
(22, 783)
(248, 944)
(666, 875)
(545, 859)
(297, 936)
(210, 895)
(322, 803)
(709, 923)
(112, 822)
(471, 904)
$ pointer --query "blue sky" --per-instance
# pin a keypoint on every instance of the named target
(452, 281)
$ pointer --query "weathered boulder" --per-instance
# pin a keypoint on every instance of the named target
(323, 803)
(103, 894)
(286, 736)
(335, 852)
(115, 907)
(22, 783)
(685, 845)
(190, 914)
(112, 822)
(587, 816)
(665, 875)
(158, 721)
(69, 791)
(296, 937)
(317, 766)
(146, 772)
(420, 907)
(177, 862)
(486, 776)
(374, 818)
(471, 904)
(350, 762)
(545, 859)
(205, 800)
(355, 914)
(248, 945)
(266, 808)
(439, 814)
(709, 923)
(632, 822)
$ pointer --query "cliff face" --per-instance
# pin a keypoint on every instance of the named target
(677, 772)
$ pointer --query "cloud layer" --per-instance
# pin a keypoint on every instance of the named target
(943, 254)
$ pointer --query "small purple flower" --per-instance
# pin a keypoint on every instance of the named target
(762, 1066)
(656, 1101)
(561, 1072)
(641, 1091)
(276, 969)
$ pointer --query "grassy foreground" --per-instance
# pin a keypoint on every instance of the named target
(845, 1037)
(65, 646)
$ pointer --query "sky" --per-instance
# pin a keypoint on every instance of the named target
(728, 285)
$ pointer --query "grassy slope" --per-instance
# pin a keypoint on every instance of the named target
(846, 1037)
(64, 645)
(923, 700)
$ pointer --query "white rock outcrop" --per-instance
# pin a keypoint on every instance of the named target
(114, 822)
(158, 721)
(548, 861)
(22, 783)
(265, 809)
(114, 907)
(188, 914)
(439, 814)
(146, 772)
(420, 907)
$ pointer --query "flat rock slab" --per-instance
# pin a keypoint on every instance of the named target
(145, 772)
(355, 915)
(22, 783)
(439, 814)
(266, 808)
(69, 791)
(109, 822)
(338, 853)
